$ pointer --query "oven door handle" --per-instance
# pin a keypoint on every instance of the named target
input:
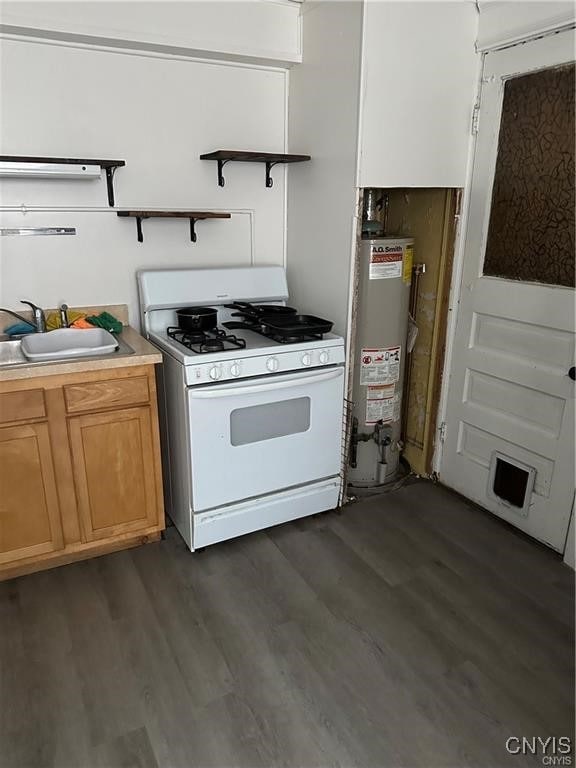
(223, 391)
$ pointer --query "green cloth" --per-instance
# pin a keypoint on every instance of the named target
(107, 321)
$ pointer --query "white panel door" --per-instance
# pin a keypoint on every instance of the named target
(509, 390)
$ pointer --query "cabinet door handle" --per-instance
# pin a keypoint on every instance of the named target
(572, 373)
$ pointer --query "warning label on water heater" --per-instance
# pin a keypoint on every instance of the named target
(380, 365)
(381, 392)
(382, 404)
(385, 262)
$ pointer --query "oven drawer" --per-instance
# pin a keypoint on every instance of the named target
(256, 437)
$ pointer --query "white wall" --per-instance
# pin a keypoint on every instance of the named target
(323, 121)
(250, 29)
(418, 90)
(505, 22)
(159, 114)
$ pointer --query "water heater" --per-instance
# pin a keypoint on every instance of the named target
(380, 355)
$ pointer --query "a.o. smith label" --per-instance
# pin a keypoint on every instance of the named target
(385, 261)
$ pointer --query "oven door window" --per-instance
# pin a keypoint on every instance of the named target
(265, 422)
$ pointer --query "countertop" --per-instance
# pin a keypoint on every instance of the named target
(144, 354)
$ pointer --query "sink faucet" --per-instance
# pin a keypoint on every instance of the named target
(39, 317)
(39, 321)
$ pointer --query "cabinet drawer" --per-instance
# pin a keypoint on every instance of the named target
(96, 395)
(21, 406)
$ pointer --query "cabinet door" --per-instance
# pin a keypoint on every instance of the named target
(29, 512)
(114, 472)
(415, 121)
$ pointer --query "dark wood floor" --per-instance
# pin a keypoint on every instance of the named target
(412, 630)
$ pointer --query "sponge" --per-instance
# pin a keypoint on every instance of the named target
(107, 321)
(19, 329)
(81, 323)
(53, 319)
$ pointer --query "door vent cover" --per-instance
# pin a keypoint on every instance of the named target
(510, 483)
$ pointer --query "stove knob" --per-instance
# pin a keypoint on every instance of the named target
(215, 372)
(324, 357)
(235, 369)
(272, 364)
(306, 358)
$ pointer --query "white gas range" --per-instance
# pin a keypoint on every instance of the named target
(252, 426)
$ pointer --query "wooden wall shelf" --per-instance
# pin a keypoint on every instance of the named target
(223, 156)
(193, 216)
(109, 166)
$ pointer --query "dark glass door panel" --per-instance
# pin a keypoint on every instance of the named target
(531, 229)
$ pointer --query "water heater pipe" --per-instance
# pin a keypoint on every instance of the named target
(417, 270)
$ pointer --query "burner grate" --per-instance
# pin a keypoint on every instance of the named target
(203, 342)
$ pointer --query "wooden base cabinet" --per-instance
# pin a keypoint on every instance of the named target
(112, 454)
(80, 467)
(30, 522)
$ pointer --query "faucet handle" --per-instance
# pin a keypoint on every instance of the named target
(32, 306)
(39, 317)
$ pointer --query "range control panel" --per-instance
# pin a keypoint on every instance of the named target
(262, 365)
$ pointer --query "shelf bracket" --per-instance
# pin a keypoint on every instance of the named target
(269, 180)
(139, 229)
(221, 180)
(110, 171)
(140, 234)
(192, 216)
(223, 156)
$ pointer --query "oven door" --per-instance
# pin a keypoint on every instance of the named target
(263, 435)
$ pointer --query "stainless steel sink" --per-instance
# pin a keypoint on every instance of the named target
(12, 354)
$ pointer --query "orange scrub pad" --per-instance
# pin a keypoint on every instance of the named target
(81, 323)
